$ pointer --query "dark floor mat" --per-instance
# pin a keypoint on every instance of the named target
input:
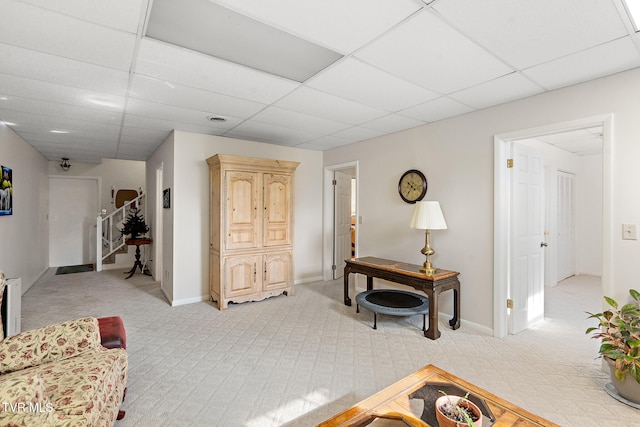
(74, 269)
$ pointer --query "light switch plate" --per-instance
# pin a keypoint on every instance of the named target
(630, 231)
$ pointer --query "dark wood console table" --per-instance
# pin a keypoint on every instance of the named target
(409, 274)
(137, 243)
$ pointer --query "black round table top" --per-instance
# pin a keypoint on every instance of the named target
(394, 302)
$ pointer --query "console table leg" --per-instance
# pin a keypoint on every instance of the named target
(433, 331)
(455, 321)
(347, 300)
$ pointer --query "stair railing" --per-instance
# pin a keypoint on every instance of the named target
(111, 238)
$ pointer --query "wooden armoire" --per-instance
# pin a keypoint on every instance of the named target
(251, 229)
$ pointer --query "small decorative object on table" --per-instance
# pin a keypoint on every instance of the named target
(619, 329)
(452, 411)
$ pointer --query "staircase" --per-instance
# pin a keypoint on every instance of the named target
(112, 241)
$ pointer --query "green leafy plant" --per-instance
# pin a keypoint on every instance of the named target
(134, 225)
(619, 329)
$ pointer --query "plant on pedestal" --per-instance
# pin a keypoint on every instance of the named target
(134, 225)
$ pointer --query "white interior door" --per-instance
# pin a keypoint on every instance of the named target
(73, 209)
(526, 284)
(342, 221)
(566, 226)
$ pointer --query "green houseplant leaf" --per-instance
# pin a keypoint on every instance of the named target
(619, 330)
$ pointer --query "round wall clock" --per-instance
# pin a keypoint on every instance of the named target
(412, 186)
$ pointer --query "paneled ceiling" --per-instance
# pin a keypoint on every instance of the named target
(93, 79)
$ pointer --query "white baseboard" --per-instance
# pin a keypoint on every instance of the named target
(308, 280)
(186, 301)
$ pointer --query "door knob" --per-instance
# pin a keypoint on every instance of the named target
(543, 244)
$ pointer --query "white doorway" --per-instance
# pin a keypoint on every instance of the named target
(526, 293)
(504, 255)
(337, 240)
(566, 256)
(73, 210)
(158, 274)
(342, 214)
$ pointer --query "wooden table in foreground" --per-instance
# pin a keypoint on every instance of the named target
(409, 274)
(391, 406)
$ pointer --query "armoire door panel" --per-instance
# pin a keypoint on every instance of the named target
(241, 210)
(241, 275)
(277, 268)
(277, 210)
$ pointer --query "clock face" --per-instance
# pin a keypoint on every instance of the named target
(412, 186)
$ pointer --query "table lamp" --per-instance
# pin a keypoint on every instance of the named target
(428, 216)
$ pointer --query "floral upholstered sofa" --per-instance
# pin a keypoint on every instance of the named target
(60, 375)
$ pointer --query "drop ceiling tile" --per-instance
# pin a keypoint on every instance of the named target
(392, 123)
(162, 92)
(574, 135)
(131, 134)
(430, 53)
(118, 14)
(161, 125)
(316, 103)
(525, 33)
(54, 109)
(62, 71)
(11, 86)
(43, 135)
(157, 111)
(31, 27)
(359, 133)
(609, 58)
(196, 70)
(354, 80)
(298, 121)
(265, 132)
(435, 110)
(325, 142)
(57, 123)
(341, 25)
(497, 91)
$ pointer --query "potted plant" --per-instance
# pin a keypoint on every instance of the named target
(619, 329)
(134, 225)
(456, 411)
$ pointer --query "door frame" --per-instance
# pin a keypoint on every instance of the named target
(328, 215)
(158, 266)
(502, 203)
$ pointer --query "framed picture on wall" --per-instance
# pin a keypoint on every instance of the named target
(6, 191)
(166, 198)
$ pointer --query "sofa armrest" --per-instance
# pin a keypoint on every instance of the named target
(50, 343)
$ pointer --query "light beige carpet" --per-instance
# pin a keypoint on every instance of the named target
(298, 360)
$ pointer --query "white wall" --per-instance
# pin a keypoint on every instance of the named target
(120, 174)
(25, 234)
(589, 221)
(164, 158)
(187, 153)
(457, 157)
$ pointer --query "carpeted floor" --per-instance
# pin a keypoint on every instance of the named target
(298, 360)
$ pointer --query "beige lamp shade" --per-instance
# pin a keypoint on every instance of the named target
(427, 215)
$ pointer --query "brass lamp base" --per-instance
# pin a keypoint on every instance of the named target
(427, 267)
